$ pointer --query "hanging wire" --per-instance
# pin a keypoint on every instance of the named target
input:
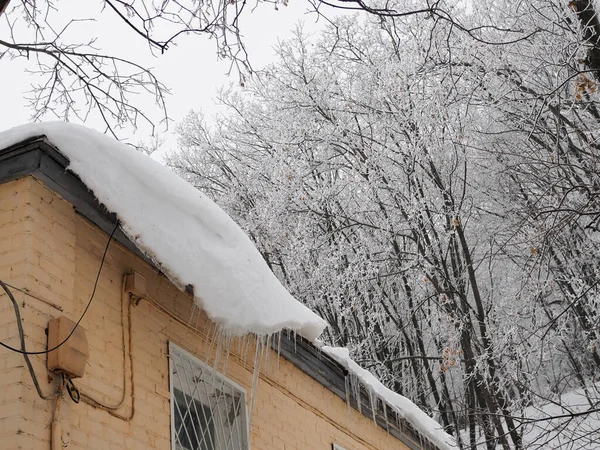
(73, 391)
(23, 351)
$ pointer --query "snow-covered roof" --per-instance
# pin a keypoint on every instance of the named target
(189, 237)
(195, 242)
(424, 424)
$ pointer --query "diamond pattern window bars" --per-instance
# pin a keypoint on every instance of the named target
(208, 411)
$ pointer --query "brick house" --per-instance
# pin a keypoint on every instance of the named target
(157, 372)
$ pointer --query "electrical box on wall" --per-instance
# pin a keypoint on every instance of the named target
(71, 357)
(135, 285)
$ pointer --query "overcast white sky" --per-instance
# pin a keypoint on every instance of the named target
(190, 69)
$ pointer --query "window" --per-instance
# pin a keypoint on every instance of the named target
(208, 411)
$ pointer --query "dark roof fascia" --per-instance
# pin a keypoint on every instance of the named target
(37, 157)
(321, 367)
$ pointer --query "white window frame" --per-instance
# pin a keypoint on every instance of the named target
(174, 349)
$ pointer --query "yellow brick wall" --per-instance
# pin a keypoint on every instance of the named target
(49, 250)
(15, 235)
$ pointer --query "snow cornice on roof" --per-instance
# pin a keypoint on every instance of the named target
(37, 157)
(184, 233)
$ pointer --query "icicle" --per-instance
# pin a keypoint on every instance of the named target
(212, 336)
(385, 417)
(194, 314)
(294, 336)
(255, 377)
(278, 348)
(348, 394)
(356, 389)
(214, 342)
(267, 352)
(373, 404)
(238, 345)
(246, 349)
(227, 350)
(218, 344)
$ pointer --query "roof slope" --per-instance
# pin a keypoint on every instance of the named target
(425, 425)
(189, 237)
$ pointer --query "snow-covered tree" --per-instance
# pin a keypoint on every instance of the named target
(77, 74)
(433, 195)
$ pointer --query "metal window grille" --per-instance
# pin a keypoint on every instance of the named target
(208, 411)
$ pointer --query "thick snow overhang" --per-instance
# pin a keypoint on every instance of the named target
(35, 154)
(184, 233)
(37, 157)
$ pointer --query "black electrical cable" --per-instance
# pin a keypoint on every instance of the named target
(73, 391)
(29, 294)
(22, 337)
(23, 351)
